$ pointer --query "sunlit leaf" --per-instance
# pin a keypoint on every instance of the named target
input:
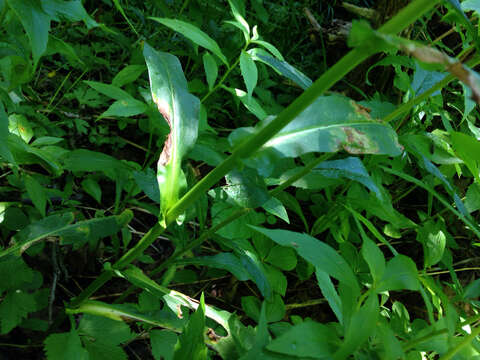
(249, 72)
(321, 255)
(190, 343)
(285, 69)
(194, 34)
(330, 124)
(211, 69)
(181, 111)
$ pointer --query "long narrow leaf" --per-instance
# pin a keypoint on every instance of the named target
(181, 111)
(195, 34)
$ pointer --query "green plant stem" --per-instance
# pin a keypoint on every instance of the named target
(403, 19)
(236, 215)
(422, 97)
(94, 286)
(224, 77)
(465, 342)
(411, 179)
(126, 259)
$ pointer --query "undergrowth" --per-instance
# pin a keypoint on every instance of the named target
(175, 185)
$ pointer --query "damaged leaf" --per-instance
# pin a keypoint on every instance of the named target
(332, 123)
(180, 110)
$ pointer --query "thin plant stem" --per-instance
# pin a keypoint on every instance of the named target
(445, 203)
(465, 342)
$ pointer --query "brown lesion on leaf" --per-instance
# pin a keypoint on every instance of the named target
(212, 335)
(361, 110)
(165, 110)
(358, 142)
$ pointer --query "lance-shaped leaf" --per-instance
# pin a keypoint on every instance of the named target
(195, 34)
(330, 124)
(181, 111)
(71, 234)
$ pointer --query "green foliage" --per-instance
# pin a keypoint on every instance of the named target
(327, 219)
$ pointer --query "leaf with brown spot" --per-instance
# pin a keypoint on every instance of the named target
(180, 109)
(332, 123)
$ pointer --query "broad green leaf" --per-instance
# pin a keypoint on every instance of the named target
(46, 140)
(285, 69)
(14, 273)
(328, 291)
(181, 111)
(245, 188)
(4, 131)
(147, 181)
(101, 350)
(240, 22)
(291, 202)
(19, 125)
(472, 198)
(433, 239)
(276, 278)
(361, 327)
(330, 124)
(37, 193)
(211, 69)
(91, 161)
(275, 207)
(23, 153)
(262, 337)
(423, 80)
(351, 168)
(282, 257)
(400, 274)
(321, 255)
(71, 10)
(61, 225)
(467, 148)
(194, 34)
(15, 307)
(92, 188)
(163, 344)
(58, 46)
(97, 327)
(307, 339)
(93, 330)
(111, 91)
(273, 50)
(249, 102)
(126, 107)
(35, 22)
(190, 343)
(374, 258)
(65, 346)
(255, 268)
(472, 291)
(275, 308)
(391, 345)
(226, 261)
(249, 72)
(237, 229)
(128, 74)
